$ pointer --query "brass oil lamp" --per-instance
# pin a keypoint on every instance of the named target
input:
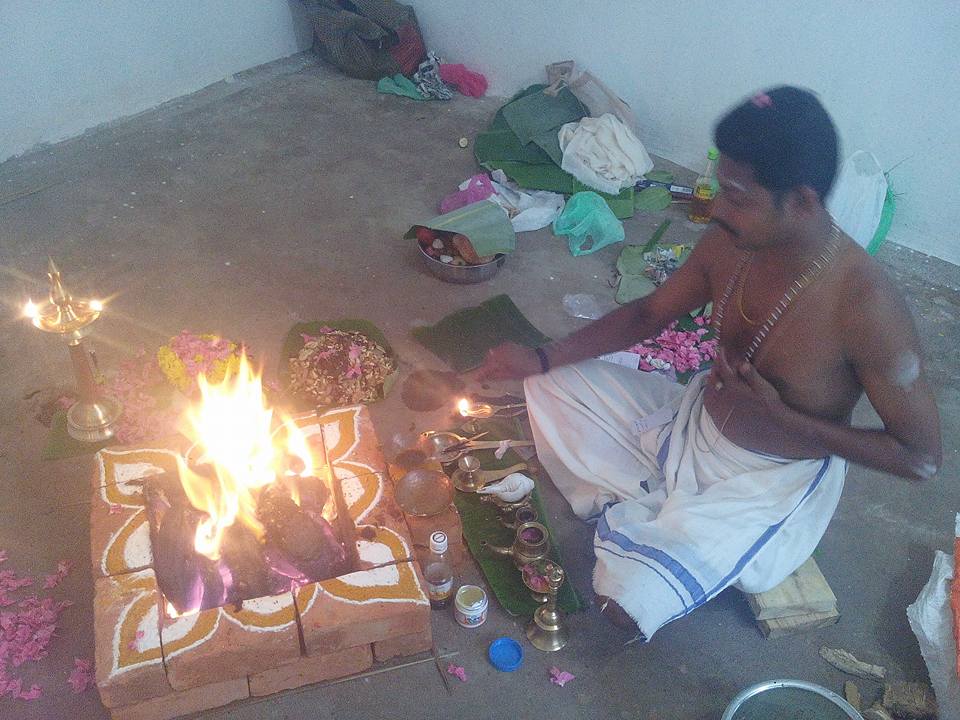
(94, 416)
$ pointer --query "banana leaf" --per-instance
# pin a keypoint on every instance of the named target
(484, 223)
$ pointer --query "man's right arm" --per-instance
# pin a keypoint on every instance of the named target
(687, 289)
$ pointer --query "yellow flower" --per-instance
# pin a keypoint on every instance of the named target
(175, 369)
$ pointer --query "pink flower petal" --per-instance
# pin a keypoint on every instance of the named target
(32, 694)
(81, 678)
(560, 677)
(457, 671)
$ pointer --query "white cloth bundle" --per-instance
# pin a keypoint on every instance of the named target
(603, 153)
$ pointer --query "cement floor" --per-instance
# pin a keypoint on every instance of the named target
(282, 196)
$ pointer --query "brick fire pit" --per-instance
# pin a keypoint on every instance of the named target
(152, 664)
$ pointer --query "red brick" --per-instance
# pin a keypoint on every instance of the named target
(375, 512)
(224, 643)
(309, 670)
(119, 538)
(403, 645)
(312, 429)
(379, 546)
(363, 607)
(123, 466)
(185, 702)
(126, 622)
(351, 442)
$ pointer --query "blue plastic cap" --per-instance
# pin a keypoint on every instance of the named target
(505, 654)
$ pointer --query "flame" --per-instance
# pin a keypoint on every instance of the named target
(464, 407)
(233, 427)
(96, 305)
(30, 310)
(297, 447)
(173, 614)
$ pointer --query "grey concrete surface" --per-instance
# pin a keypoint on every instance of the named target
(283, 197)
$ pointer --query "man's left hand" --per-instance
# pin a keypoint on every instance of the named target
(742, 381)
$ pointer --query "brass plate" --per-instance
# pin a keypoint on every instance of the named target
(424, 492)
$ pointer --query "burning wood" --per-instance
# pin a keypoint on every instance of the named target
(299, 546)
(246, 515)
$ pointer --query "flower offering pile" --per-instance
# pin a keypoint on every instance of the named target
(340, 367)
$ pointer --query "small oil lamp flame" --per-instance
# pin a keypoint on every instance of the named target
(30, 310)
(464, 407)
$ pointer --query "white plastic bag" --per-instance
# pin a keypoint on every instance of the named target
(856, 201)
(931, 620)
(528, 209)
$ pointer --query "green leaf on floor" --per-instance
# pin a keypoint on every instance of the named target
(659, 176)
(652, 199)
(655, 238)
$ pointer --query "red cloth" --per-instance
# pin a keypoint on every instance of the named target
(409, 52)
(468, 82)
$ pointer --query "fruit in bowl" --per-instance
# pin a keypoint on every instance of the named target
(450, 248)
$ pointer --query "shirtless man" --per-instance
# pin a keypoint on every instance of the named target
(807, 323)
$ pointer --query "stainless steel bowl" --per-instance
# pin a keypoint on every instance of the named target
(462, 274)
(807, 698)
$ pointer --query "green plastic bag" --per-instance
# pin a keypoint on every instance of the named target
(589, 224)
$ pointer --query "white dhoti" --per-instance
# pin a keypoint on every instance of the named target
(682, 512)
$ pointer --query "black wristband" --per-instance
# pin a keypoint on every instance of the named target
(544, 360)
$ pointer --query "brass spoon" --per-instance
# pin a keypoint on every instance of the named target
(486, 410)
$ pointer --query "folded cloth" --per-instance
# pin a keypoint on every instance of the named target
(603, 153)
(466, 81)
(682, 512)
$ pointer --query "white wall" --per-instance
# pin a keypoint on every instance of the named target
(68, 65)
(888, 72)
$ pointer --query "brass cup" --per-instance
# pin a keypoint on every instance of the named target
(531, 543)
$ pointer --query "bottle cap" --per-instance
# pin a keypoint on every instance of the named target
(505, 654)
(438, 542)
(713, 154)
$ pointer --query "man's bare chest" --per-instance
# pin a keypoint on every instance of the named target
(801, 353)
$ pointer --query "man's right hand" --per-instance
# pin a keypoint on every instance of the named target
(508, 362)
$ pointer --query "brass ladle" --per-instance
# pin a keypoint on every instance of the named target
(486, 410)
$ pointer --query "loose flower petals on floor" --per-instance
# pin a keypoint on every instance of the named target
(26, 630)
(560, 677)
(457, 671)
(81, 678)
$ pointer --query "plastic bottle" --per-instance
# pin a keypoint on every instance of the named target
(439, 572)
(705, 190)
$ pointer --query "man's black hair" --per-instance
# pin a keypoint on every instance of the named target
(786, 136)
